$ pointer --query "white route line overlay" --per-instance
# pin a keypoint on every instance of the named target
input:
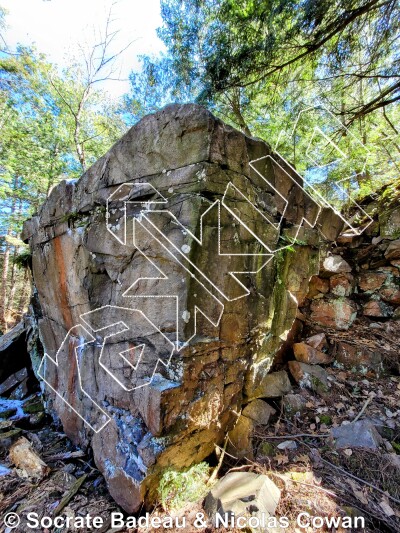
(324, 201)
(178, 257)
(92, 339)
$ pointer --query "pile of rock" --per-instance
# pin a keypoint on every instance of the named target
(20, 400)
(348, 320)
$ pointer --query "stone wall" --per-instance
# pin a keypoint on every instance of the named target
(168, 278)
(355, 299)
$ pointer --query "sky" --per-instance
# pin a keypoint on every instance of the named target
(57, 26)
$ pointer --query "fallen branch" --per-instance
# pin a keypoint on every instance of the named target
(318, 436)
(363, 409)
(288, 478)
(64, 456)
(70, 494)
(385, 493)
(213, 476)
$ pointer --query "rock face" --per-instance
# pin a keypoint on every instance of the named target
(165, 291)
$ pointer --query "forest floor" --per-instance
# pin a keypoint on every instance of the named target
(295, 453)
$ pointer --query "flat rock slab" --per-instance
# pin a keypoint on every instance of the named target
(13, 380)
(335, 264)
(245, 494)
(259, 411)
(360, 434)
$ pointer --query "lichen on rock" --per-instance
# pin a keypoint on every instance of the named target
(167, 285)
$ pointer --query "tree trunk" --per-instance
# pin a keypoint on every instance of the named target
(6, 262)
(13, 282)
(236, 109)
(4, 278)
(23, 297)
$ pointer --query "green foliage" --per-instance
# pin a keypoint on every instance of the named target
(396, 447)
(177, 489)
(258, 64)
(24, 258)
(53, 124)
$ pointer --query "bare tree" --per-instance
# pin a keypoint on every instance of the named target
(99, 65)
(3, 13)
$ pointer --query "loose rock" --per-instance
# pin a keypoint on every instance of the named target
(335, 264)
(293, 404)
(318, 341)
(307, 354)
(27, 461)
(359, 357)
(338, 313)
(341, 284)
(245, 494)
(360, 434)
(371, 281)
(272, 385)
(311, 377)
(377, 309)
(317, 286)
(259, 411)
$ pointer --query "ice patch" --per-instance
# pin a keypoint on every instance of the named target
(6, 404)
(4, 471)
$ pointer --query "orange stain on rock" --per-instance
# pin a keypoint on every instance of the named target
(67, 316)
(63, 284)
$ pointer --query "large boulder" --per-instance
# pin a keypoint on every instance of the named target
(165, 290)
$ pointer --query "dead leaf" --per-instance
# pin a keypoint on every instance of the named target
(359, 494)
(386, 508)
(301, 459)
(281, 459)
